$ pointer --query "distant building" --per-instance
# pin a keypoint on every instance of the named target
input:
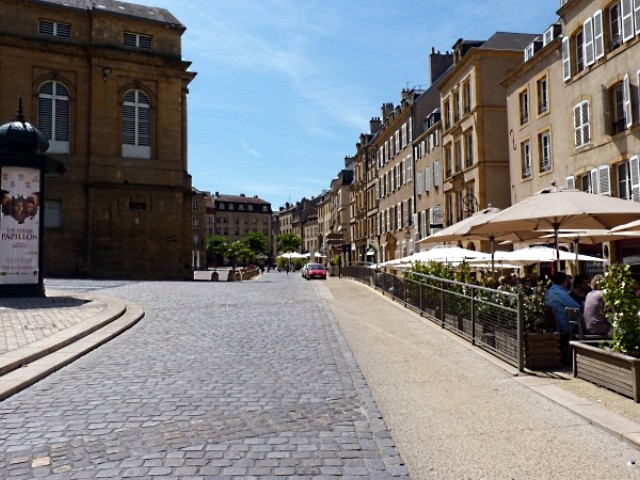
(106, 83)
(236, 216)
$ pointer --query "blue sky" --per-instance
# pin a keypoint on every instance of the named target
(285, 87)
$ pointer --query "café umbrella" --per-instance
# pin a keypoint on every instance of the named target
(555, 209)
(461, 231)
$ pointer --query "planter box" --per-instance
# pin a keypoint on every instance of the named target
(612, 370)
(542, 351)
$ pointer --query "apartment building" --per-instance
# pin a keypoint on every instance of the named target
(475, 139)
(106, 84)
(587, 137)
(200, 227)
(394, 156)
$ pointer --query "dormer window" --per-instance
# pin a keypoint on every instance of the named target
(137, 40)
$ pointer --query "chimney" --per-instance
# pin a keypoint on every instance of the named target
(387, 109)
(374, 125)
(439, 63)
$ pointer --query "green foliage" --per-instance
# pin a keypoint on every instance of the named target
(239, 252)
(288, 242)
(216, 248)
(257, 242)
(621, 309)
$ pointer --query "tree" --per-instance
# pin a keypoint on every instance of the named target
(288, 242)
(216, 249)
(239, 251)
(257, 242)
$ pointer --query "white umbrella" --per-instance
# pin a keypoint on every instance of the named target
(440, 253)
(462, 231)
(292, 255)
(627, 227)
(557, 209)
(533, 255)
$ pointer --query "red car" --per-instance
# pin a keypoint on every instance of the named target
(315, 270)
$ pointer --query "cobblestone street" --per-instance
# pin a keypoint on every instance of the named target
(219, 380)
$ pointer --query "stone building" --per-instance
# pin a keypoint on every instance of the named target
(108, 87)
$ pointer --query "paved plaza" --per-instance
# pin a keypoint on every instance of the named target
(280, 377)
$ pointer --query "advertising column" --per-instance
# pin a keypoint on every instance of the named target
(20, 226)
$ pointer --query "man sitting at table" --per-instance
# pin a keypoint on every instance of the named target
(557, 297)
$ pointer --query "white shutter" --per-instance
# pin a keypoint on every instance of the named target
(586, 131)
(571, 182)
(636, 16)
(634, 173)
(626, 95)
(604, 180)
(436, 173)
(418, 184)
(566, 59)
(399, 215)
(423, 224)
(594, 181)
(628, 32)
(427, 179)
(587, 45)
(598, 35)
(577, 124)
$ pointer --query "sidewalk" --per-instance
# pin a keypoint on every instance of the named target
(608, 410)
(43, 334)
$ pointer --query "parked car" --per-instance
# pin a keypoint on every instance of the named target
(315, 270)
(303, 270)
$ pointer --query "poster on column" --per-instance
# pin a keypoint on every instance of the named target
(19, 225)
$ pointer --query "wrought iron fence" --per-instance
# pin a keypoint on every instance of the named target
(490, 319)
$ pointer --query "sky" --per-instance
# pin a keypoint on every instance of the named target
(284, 88)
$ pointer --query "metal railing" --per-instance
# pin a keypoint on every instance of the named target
(490, 319)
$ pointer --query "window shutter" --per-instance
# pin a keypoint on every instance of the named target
(423, 224)
(626, 95)
(577, 125)
(587, 46)
(427, 179)
(571, 182)
(418, 184)
(436, 173)
(636, 11)
(604, 180)
(628, 31)
(586, 129)
(634, 171)
(45, 112)
(593, 188)
(566, 59)
(598, 34)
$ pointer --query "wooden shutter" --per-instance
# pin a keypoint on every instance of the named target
(634, 173)
(604, 180)
(628, 32)
(566, 59)
(587, 45)
(598, 35)
(626, 95)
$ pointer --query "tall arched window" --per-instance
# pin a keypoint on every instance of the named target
(136, 125)
(53, 115)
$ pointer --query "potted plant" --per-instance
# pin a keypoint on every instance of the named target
(615, 364)
(541, 348)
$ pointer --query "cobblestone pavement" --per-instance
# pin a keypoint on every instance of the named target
(218, 381)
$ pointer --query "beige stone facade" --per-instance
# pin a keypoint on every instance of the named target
(108, 87)
(238, 215)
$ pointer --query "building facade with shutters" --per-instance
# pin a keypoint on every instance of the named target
(108, 87)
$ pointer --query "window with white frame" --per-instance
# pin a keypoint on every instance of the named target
(566, 58)
(581, 124)
(137, 40)
(579, 49)
(136, 125)
(598, 35)
(56, 29)
(423, 224)
(543, 95)
(468, 149)
(544, 149)
(525, 159)
(52, 214)
(397, 141)
(524, 107)
(629, 179)
(409, 168)
(404, 136)
(53, 115)
(615, 26)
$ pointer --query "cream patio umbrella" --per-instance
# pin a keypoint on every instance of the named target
(557, 209)
(627, 227)
(533, 255)
(439, 253)
(463, 231)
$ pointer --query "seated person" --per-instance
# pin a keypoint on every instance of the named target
(557, 297)
(594, 320)
(581, 286)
